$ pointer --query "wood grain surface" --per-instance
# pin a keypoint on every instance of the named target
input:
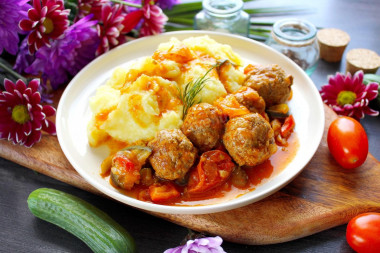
(322, 196)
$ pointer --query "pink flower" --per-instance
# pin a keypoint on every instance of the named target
(47, 20)
(86, 7)
(154, 19)
(22, 117)
(132, 20)
(110, 31)
(348, 96)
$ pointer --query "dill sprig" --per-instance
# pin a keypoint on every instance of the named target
(192, 89)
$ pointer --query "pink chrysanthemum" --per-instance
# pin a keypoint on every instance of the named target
(154, 19)
(110, 31)
(86, 7)
(348, 96)
(47, 20)
(22, 117)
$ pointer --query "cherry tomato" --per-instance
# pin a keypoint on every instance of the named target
(363, 233)
(213, 169)
(347, 142)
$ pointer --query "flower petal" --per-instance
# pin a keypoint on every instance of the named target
(370, 111)
(9, 85)
(34, 84)
(27, 128)
(36, 98)
(48, 110)
(49, 127)
(33, 138)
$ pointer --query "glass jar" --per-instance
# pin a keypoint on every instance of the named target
(296, 39)
(223, 16)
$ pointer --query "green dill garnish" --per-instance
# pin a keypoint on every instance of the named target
(193, 88)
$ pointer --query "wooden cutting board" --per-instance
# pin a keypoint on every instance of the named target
(322, 196)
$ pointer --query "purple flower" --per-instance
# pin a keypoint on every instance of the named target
(11, 12)
(22, 117)
(348, 96)
(167, 4)
(204, 245)
(67, 55)
(24, 59)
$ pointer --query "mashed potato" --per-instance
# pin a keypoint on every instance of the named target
(138, 101)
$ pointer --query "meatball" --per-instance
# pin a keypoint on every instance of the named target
(249, 139)
(172, 154)
(270, 82)
(203, 125)
(250, 99)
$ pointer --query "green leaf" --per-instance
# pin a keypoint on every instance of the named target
(72, 5)
(373, 78)
(7, 70)
(182, 21)
(184, 8)
(171, 28)
(275, 10)
(261, 23)
(370, 78)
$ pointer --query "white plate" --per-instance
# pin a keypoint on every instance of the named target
(73, 115)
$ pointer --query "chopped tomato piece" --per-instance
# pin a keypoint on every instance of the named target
(288, 127)
(230, 106)
(163, 192)
(124, 173)
(214, 168)
(144, 195)
(248, 69)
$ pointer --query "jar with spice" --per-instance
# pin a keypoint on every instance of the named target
(296, 39)
(223, 16)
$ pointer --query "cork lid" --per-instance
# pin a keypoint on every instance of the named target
(363, 58)
(333, 37)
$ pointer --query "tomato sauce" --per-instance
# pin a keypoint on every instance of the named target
(257, 175)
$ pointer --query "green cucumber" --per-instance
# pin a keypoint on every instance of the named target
(94, 227)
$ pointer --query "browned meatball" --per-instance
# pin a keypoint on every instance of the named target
(249, 139)
(270, 82)
(203, 126)
(250, 99)
(172, 154)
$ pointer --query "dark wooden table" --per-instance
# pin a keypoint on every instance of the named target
(22, 232)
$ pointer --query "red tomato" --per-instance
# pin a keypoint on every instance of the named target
(363, 233)
(214, 168)
(288, 127)
(347, 142)
(124, 173)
